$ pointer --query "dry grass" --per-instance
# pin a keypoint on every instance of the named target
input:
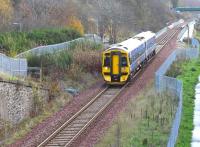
(145, 122)
(89, 61)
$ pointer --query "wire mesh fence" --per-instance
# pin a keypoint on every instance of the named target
(165, 83)
(182, 33)
(13, 66)
(159, 33)
(50, 49)
(162, 31)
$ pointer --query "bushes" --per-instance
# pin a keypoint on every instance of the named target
(52, 36)
(75, 23)
(89, 61)
(61, 60)
(85, 55)
(176, 68)
(16, 42)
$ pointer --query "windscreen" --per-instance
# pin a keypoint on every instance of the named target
(107, 61)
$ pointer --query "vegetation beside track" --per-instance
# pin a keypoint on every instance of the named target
(146, 121)
(16, 42)
(189, 76)
(78, 69)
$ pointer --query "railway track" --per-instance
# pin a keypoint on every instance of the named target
(69, 131)
(75, 126)
(164, 39)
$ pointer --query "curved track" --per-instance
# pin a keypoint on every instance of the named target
(75, 126)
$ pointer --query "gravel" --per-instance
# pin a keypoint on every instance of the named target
(43, 130)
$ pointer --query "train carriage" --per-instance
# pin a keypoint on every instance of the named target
(126, 58)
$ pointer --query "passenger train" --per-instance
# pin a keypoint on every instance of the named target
(121, 61)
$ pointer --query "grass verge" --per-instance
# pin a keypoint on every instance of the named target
(189, 77)
(146, 121)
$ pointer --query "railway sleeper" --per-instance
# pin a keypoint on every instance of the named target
(71, 129)
(80, 121)
(62, 142)
(76, 126)
(68, 132)
(64, 137)
(52, 145)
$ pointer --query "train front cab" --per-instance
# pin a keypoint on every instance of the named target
(115, 67)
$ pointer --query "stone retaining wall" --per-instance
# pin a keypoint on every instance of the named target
(16, 100)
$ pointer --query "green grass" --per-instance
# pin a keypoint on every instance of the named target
(145, 122)
(189, 77)
(197, 35)
(17, 42)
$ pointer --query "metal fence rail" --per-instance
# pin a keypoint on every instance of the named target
(50, 49)
(159, 33)
(13, 66)
(164, 83)
(162, 31)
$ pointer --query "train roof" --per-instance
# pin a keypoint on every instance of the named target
(134, 42)
(145, 35)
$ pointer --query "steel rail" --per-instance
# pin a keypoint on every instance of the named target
(50, 141)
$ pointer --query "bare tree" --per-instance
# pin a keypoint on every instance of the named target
(112, 15)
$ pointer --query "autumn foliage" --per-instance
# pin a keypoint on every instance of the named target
(6, 11)
(76, 24)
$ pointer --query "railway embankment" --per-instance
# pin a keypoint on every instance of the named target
(61, 73)
(17, 100)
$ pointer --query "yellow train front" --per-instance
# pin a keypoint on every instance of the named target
(116, 66)
(122, 60)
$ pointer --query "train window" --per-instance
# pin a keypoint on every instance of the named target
(124, 62)
(107, 62)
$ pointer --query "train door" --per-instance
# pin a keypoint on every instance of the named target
(116, 68)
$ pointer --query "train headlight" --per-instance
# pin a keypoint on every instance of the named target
(123, 69)
(106, 68)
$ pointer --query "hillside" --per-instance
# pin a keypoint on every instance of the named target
(97, 16)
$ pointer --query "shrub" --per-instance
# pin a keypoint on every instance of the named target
(62, 60)
(176, 68)
(90, 61)
(75, 23)
(75, 73)
(16, 42)
(53, 36)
